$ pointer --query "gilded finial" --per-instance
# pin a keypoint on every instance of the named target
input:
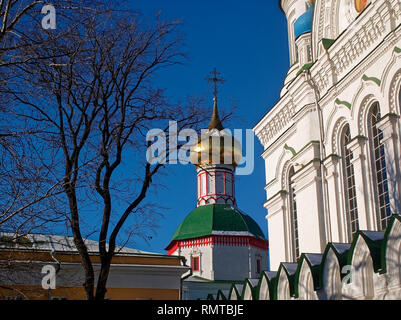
(215, 122)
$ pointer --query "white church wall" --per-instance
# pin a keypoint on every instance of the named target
(283, 286)
(346, 99)
(231, 262)
(205, 255)
(277, 242)
(306, 184)
(331, 277)
(306, 290)
(362, 284)
(264, 292)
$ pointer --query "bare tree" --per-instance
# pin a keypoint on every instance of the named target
(26, 193)
(95, 100)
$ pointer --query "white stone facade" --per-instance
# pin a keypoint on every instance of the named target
(335, 187)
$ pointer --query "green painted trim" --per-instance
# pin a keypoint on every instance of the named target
(233, 287)
(374, 79)
(327, 43)
(291, 280)
(254, 291)
(307, 145)
(270, 285)
(315, 274)
(305, 67)
(345, 103)
(397, 50)
(342, 260)
(221, 294)
(333, 155)
(374, 248)
(292, 150)
(385, 241)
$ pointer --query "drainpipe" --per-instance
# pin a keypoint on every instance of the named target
(184, 261)
(322, 149)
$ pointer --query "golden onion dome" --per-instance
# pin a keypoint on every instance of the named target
(216, 145)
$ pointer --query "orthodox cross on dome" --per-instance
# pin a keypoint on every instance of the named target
(215, 123)
(214, 77)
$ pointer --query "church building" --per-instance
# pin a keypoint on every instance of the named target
(332, 141)
(220, 242)
(332, 157)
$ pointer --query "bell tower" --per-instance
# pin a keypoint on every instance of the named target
(215, 156)
(218, 240)
(293, 10)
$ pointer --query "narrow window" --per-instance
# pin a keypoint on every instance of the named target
(293, 215)
(258, 266)
(379, 168)
(220, 182)
(195, 264)
(229, 184)
(211, 185)
(309, 53)
(349, 184)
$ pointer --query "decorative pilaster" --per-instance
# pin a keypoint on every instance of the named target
(336, 212)
(277, 219)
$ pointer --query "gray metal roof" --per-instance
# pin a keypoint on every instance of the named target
(253, 282)
(290, 267)
(373, 235)
(341, 247)
(314, 258)
(42, 242)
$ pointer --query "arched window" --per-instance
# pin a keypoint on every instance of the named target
(349, 184)
(293, 215)
(379, 169)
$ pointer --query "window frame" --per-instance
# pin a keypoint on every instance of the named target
(293, 216)
(348, 183)
(197, 264)
(378, 160)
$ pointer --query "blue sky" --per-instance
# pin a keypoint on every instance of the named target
(247, 42)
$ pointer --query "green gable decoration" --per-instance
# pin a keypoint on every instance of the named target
(305, 67)
(374, 245)
(327, 43)
(375, 80)
(291, 149)
(344, 103)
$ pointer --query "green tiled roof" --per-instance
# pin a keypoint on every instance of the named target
(203, 220)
